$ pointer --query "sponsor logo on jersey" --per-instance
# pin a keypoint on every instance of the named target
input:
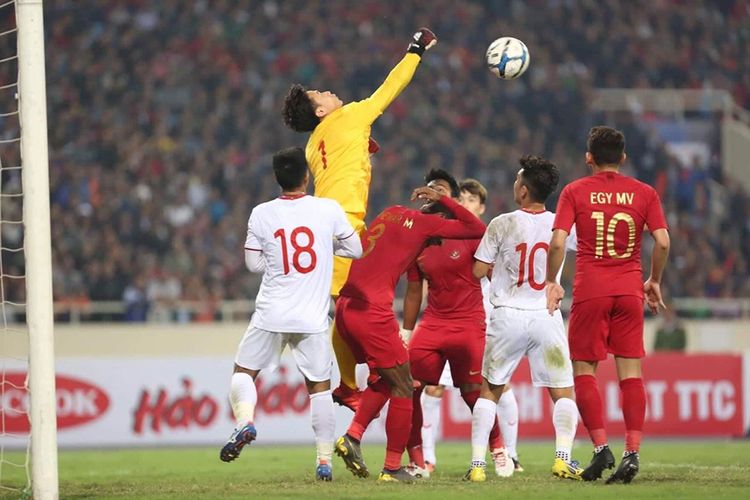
(455, 254)
(78, 402)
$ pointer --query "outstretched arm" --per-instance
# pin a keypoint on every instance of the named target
(465, 226)
(399, 77)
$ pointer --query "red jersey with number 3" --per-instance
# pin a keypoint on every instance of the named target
(610, 212)
(517, 244)
(453, 291)
(392, 242)
(295, 235)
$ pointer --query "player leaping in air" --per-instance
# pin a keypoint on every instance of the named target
(516, 244)
(291, 240)
(338, 152)
(610, 212)
(365, 319)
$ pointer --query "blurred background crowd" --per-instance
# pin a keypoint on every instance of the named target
(163, 117)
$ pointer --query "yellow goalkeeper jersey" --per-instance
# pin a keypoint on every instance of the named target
(337, 151)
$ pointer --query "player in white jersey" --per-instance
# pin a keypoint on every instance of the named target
(292, 241)
(516, 245)
(473, 197)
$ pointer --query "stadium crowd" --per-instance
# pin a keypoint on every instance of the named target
(163, 116)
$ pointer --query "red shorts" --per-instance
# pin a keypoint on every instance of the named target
(436, 341)
(606, 324)
(371, 333)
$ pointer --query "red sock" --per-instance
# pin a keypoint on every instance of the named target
(416, 456)
(634, 411)
(372, 401)
(589, 403)
(496, 438)
(414, 446)
(397, 430)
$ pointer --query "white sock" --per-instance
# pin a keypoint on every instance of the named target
(507, 415)
(323, 424)
(565, 420)
(482, 420)
(430, 424)
(243, 396)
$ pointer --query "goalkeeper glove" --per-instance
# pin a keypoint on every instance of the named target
(422, 40)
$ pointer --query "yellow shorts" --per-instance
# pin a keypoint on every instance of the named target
(341, 265)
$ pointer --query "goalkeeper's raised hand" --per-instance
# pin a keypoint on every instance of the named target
(422, 40)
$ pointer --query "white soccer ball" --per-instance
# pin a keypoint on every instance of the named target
(507, 58)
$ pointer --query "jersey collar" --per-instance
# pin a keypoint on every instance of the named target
(533, 212)
(292, 196)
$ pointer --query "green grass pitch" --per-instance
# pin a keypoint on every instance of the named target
(669, 469)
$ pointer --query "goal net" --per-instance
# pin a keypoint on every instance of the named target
(28, 449)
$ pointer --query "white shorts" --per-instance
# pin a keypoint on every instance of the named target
(261, 350)
(514, 333)
(446, 379)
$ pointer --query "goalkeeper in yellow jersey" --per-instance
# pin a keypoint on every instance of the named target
(338, 153)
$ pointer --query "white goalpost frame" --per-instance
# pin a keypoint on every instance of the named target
(38, 251)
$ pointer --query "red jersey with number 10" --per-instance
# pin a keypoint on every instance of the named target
(610, 212)
(392, 242)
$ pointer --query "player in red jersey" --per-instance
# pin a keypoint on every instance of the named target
(610, 212)
(452, 328)
(365, 319)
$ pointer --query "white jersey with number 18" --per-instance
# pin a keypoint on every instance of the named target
(517, 244)
(297, 237)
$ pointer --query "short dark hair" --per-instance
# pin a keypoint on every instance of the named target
(440, 174)
(290, 167)
(606, 145)
(474, 187)
(299, 111)
(540, 176)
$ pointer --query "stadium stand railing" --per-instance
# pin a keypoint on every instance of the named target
(186, 311)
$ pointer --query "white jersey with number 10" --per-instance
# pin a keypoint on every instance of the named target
(297, 237)
(517, 244)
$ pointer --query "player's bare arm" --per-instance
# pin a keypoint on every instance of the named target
(555, 256)
(481, 269)
(466, 225)
(425, 193)
(412, 303)
(652, 286)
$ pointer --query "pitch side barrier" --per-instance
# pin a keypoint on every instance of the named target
(140, 386)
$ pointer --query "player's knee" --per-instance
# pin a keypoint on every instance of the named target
(240, 369)
(491, 391)
(402, 390)
(556, 393)
(468, 388)
(316, 387)
(404, 384)
(436, 391)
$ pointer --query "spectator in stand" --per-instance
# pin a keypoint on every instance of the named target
(671, 333)
(168, 111)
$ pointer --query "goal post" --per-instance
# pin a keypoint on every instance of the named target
(37, 246)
